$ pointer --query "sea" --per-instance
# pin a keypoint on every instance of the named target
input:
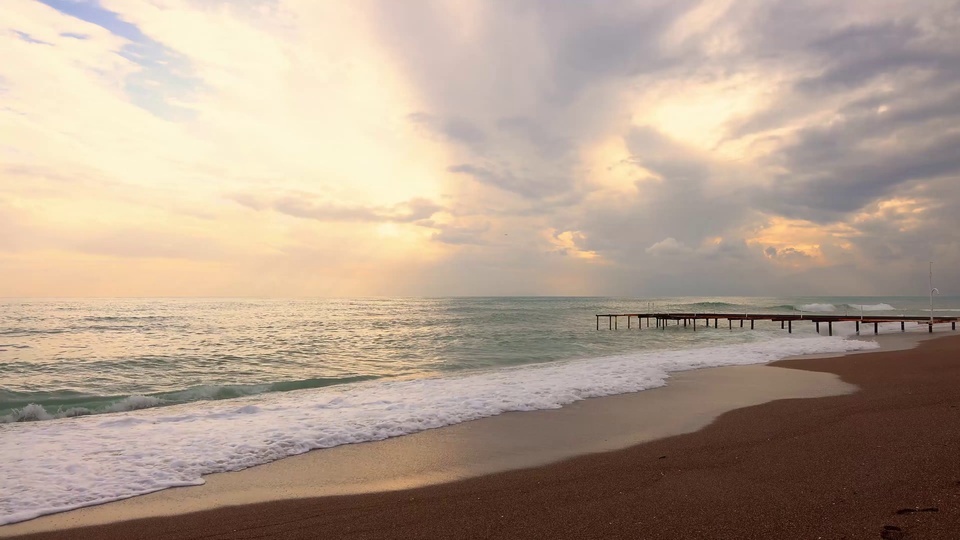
(104, 399)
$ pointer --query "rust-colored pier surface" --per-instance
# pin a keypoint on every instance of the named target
(690, 320)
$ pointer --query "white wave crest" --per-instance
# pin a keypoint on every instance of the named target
(30, 413)
(818, 308)
(101, 458)
(872, 307)
(35, 412)
(133, 403)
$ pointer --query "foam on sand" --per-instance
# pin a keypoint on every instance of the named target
(89, 460)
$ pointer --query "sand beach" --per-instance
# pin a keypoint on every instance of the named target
(859, 446)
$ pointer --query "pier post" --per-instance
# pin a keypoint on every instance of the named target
(953, 325)
(781, 325)
(694, 324)
(931, 327)
(741, 323)
(715, 323)
(616, 322)
(684, 322)
(628, 322)
(818, 326)
(751, 324)
(858, 327)
(830, 327)
(610, 321)
(903, 326)
(598, 322)
(876, 328)
(789, 327)
(731, 323)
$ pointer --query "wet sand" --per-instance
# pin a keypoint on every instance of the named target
(793, 468)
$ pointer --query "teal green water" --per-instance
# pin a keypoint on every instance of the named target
(76, 357)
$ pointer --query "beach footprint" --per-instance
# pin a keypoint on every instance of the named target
(892, 532)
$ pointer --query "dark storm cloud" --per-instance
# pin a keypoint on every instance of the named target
(549, 145)
(528, 184)
(680, 205)
(454, 129)
(522, 93)
(863, 108)
(899, 128)
(596, 41)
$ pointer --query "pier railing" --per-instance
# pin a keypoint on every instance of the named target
(786, 320)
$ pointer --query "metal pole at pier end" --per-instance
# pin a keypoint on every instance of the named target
(933, 290)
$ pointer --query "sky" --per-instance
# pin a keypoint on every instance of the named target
(312, 148)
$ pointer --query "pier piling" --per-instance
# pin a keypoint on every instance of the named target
(662, 320)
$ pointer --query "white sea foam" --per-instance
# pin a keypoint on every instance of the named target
(34, 412)
(818, 308)
(134, 403)
(94, 459)
(873, 307)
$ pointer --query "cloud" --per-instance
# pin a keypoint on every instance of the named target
(668, 247)
(527, 185)
(460, 235)
(457, 130)
(306, 206)
(479, 146)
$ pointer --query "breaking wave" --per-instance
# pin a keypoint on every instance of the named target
(38, 406)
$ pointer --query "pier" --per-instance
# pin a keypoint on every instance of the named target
(690, 320)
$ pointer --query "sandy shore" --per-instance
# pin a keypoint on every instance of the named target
(831, 466)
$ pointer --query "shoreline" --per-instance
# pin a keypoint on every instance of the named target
(735, 389)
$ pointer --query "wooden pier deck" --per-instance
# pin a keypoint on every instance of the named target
(786, 320)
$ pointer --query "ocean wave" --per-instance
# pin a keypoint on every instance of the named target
(709, 305)
(52, 405)
(818, 308)
(126, 318)
(98, 459)
(872, 307)
(34, 412)
(25, 332)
